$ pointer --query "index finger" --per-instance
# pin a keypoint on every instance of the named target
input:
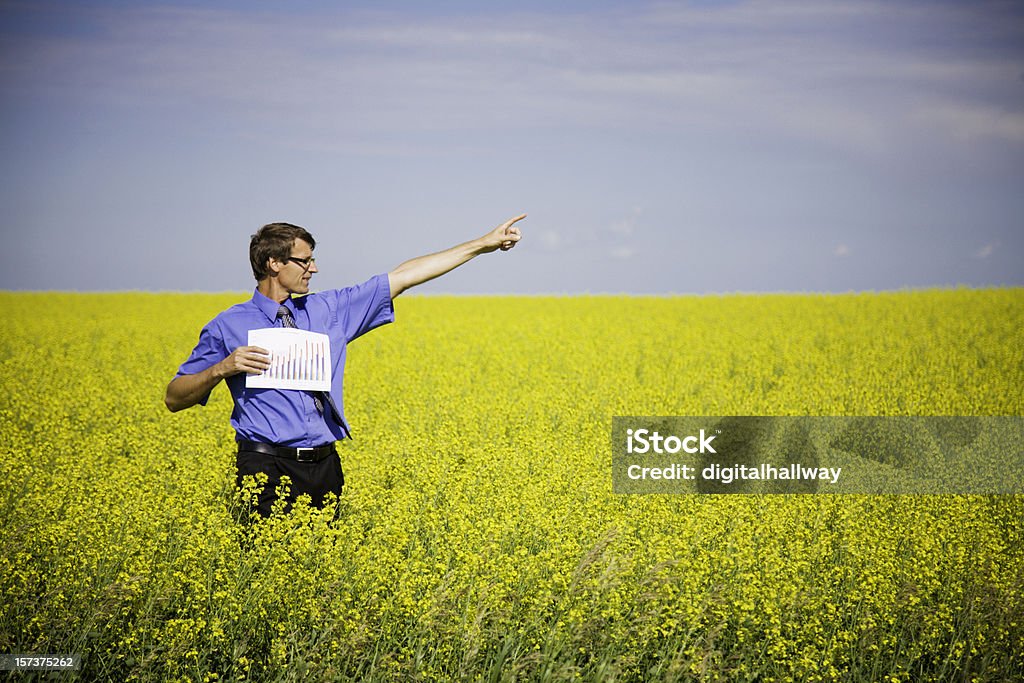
(510, 221)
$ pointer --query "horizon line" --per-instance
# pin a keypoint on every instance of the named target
(736, 292)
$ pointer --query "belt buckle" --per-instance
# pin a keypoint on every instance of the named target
(299, 457)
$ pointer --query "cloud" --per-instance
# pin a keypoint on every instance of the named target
(626, 227)
(841, 251)
(549, 240)
(622, 252)
(847, 74)
(971, 121)
(985, 251)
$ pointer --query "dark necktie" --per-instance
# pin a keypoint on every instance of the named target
(319, 397)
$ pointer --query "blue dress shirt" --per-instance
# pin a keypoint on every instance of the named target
(288, 417)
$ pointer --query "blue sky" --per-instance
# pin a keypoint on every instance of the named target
(657, 147)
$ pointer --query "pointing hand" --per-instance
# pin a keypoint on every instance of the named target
(504, 236)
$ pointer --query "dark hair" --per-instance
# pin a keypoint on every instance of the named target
(274, 241)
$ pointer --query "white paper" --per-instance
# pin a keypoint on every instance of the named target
(299, 359)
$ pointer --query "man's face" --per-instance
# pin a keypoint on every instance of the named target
(296, 272)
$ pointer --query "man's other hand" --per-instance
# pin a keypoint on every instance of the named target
(250, 359)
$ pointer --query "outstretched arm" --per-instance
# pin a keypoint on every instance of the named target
(422, 268)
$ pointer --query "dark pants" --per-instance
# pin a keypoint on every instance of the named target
(314, 478)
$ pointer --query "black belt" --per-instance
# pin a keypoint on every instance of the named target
(315, 454)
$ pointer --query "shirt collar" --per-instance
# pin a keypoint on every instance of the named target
(269, 306)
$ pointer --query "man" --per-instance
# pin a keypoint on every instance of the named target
(288, 432)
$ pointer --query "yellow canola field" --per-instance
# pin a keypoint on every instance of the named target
(479, 538)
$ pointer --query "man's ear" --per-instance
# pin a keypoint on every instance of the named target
(273, 266)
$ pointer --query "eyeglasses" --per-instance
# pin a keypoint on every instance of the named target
(304, 262)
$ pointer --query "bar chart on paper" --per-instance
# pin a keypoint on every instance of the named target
(299, 359)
